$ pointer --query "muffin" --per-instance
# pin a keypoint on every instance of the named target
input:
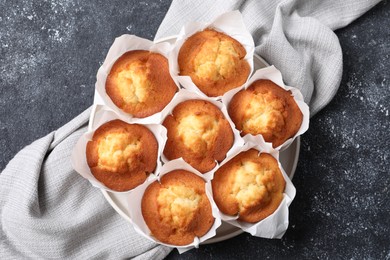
(122, 155)
(198, 131)
(267, 109)
(139, 83)
(214, 61)
(176, 209)
(250, 185)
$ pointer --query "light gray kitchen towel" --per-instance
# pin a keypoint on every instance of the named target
(47, 210)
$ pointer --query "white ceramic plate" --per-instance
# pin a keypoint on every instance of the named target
(288, 158)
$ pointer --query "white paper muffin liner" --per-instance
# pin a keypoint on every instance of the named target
(230, 23)
(79, 158)
(273, 74)
(184, 95)
(135, 200)
(275, 225)
(120, 46)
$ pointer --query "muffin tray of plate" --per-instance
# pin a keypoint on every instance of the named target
(288, 158)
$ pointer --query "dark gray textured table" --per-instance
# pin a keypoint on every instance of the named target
(49, 56)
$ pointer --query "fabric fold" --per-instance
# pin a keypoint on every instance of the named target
(47, 210)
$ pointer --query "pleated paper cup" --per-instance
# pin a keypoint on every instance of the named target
(79, 157)
(185, 95)
(135, 205)
(274, 75)
(276, 224)
(120, 46)
(230, 23)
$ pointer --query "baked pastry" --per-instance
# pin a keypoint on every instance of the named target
(198, 131)
(267, 109)
(214, 61)
(250, 185)
(176, 209)
(122, 155)
(139, 83)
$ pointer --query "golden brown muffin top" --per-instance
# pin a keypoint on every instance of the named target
(122, 155)
(118, 151)
(140, 84)
(176, 209)
(214, 61)
(250, 185)
(198, 132)
(267, 109)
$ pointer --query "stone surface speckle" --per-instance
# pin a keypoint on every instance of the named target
(49, 55)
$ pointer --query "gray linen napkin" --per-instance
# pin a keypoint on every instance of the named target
(47, 210)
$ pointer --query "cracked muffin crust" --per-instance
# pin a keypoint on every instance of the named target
(198, 132)
(249, 185)
(176, 209)
(139, 83)
(122, 155)
(267, 109)
(214, 61)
